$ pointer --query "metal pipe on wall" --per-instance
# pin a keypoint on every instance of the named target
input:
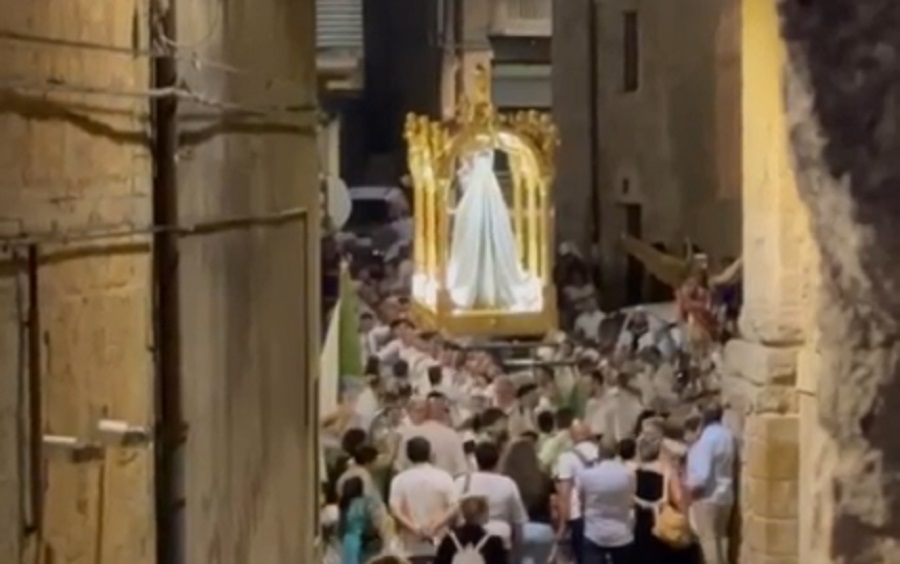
(594, 145)
(167, 339)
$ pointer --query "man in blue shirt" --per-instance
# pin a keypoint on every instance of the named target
(710, 479)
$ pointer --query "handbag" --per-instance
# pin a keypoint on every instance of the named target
(671, 525)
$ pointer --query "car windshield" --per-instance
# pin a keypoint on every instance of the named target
(367, 214)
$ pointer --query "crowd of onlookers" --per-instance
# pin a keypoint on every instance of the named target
(445, 451)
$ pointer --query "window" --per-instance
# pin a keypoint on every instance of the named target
(630, 52)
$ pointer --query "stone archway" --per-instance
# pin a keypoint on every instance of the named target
(819, 361)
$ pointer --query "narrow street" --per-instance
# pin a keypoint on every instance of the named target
(390, 281)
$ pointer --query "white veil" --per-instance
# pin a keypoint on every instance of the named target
(484, 270)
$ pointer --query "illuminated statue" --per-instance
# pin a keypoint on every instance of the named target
(483, 264)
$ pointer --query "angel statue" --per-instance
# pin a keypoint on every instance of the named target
(693, 287)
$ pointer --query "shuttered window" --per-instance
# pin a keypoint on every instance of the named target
(339, 24)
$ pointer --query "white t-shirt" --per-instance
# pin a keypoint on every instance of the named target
(569, 465)
(505, 506)
(424, 494)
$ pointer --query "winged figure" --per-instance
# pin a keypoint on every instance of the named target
(674, 270)
(694, 289)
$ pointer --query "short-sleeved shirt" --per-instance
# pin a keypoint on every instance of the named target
(505, 506)
(424, 494)
(607, 490)
(569, 465)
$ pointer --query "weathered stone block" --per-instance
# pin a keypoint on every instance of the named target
(761, 364)
(772, 499)
(770, 537)
(772, 448)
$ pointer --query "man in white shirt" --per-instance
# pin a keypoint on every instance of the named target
(402, 335)
(642, 330)
(582, 455)
(587, 324)
(506, 510)
(607, 491)
(446, 443)
(421, 496)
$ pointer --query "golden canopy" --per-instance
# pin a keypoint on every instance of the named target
(435, 149)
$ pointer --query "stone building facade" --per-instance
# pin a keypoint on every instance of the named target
(666, 145)
(79, 324)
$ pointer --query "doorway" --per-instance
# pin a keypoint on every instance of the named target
(634, 270)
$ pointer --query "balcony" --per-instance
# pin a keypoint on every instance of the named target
(522, 18)
(339, 43)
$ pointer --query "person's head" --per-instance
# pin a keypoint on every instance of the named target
(400, 369)
(373, 366)
(626, 449)
(435, 375)
(366, 322)
(474, 510)
(712, 413)
(403, 329)
(504, 390)
(404, 392)
(353, 439)
(639, 323)
(418, 450)
(487, 456)
(565, 417)
(649, 448)
(438, 407)
(365, 454)
(607, 448)
(544, 376)
(469, 447)
(580, 432)
(417, 409)
(693, 426)
(545, 422)
(520, 462)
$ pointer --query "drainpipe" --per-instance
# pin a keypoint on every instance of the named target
(167, 339)
(594, 140)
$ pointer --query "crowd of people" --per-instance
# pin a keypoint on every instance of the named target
(580, 450)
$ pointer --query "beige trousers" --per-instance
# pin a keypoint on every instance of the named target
(711, 524)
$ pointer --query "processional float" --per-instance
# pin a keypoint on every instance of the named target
(483, 261)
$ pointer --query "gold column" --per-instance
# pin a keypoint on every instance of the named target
(418, 211)
(533, 242)
(518, 197)
(430, 267)
(545, 231)
(443, 239)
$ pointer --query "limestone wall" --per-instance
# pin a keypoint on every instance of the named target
(72, 161)
(770, 386)
(660, 146)
(249, 322)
